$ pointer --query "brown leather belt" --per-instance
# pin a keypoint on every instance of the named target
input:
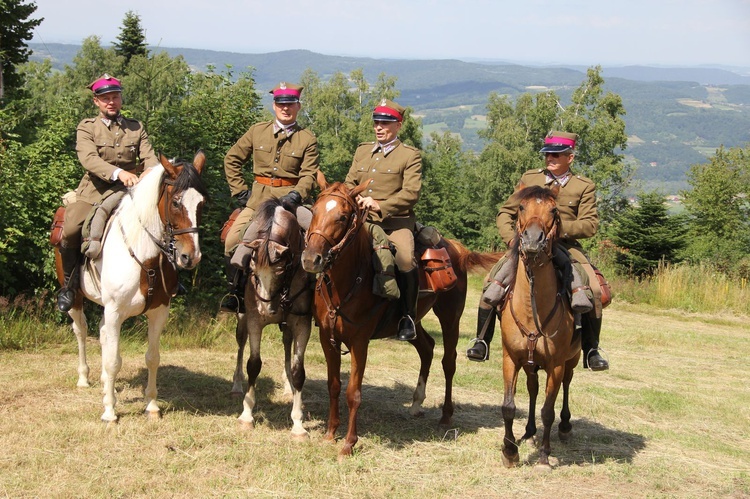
(276, 181)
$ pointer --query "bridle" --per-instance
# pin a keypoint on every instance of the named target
(533, 336)
(325, 285)
(167, 245)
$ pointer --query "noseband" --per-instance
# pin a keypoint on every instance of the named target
(356, 221)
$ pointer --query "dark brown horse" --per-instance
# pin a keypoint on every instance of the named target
(153, 232)
(347, 312)
(278, 291)
(538, 327)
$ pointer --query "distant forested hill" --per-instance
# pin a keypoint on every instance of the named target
(675, 116)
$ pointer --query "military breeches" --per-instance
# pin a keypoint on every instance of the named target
(403, 240)
(75, 215)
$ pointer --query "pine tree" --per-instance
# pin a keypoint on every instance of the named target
(132, 39)
(15, 29)
(649, 235)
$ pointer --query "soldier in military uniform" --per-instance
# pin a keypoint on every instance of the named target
(284, 163)
(396, 171)
(113, 150)
(576, 203)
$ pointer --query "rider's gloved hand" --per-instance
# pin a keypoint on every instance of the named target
(293, 198)
(243, 197)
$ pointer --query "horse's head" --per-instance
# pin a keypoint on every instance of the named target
(336, 218)
(275, 256)
(537, 219)
(181, 203)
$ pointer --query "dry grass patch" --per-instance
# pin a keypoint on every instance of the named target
(670, 419)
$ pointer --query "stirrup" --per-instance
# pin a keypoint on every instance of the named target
(223, 306)
(587, 362)
(486, 350)
(403, 337)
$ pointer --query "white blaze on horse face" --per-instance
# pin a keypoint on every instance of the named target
(330, 205)
(191, 199)
(538, 200)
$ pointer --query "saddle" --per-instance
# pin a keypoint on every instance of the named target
(436, 273)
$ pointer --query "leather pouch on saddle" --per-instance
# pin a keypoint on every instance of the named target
(384, 283)
(436, 266)
(56, 230)
(228, 224)
(241, 256)
(604, 285)
(94, 224)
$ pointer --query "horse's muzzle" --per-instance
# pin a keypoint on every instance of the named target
(312, 261)
(533, 239)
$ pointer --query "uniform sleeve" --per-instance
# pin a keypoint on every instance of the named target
(587, 222)
(411, 185)
(145, 151)
(308, 169)
(506, 219)
(238, 155)
(88, 154)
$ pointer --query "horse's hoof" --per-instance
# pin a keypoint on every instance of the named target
(246, 425)
(153, 415)
(510, 462)
(564, 435)
(301, 437)
(542, 468)
(237, 393)
(416, 413)
(83, 383)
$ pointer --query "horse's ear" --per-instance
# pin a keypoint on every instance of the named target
(361, 187)
(199, 161)
(555, 189)
(321, 179)
(521, 186)
(168, 166)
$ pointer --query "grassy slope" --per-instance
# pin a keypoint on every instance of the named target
(670, 419)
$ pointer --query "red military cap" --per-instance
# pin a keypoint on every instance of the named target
(559, 142)
(286, 92)
(105, 84)
(388, 111)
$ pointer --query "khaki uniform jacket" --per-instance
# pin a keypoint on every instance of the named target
(102, 149)
(274, 155)
(576, 204)
(397, 182)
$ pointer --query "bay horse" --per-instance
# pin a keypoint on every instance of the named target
(347, 312)
(153, 231)
(278, 291)
(538, 326)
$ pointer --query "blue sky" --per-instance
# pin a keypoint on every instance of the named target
(546, 32)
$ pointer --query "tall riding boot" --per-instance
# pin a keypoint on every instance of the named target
(590, 330)
(71, 258)
(409, 288)
(479, 351)
(234, 300)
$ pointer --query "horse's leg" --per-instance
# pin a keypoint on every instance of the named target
(254, 329)
(354, 393)
(564, 428)
(240, 335)
(109, 337)
(510, 377)
(425, 346)
(81, 330)
(554, 379)
(298, 330)
(157, 319)
(333, 367)
(450, 317)
(532, 385)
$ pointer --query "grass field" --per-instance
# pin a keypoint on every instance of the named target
(671, 418)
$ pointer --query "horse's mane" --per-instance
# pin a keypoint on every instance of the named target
(138, 210)
(336, 186)
(265, 216)
(189, 178)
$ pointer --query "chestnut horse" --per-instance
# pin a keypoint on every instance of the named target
(153, 231)
(347, 312)
(278, 291)
(538, 327)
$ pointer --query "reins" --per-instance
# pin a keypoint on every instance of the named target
(325, 286)
(166, 245)
(533, 336)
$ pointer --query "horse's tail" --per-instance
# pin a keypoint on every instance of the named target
(469, 261)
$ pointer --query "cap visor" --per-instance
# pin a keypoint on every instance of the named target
(552, 148)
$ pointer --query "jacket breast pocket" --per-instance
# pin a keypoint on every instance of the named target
(291, 161)
(262, 156)
(129, 152)
(106, 150)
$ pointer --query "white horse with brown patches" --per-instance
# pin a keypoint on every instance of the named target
(153, 232)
